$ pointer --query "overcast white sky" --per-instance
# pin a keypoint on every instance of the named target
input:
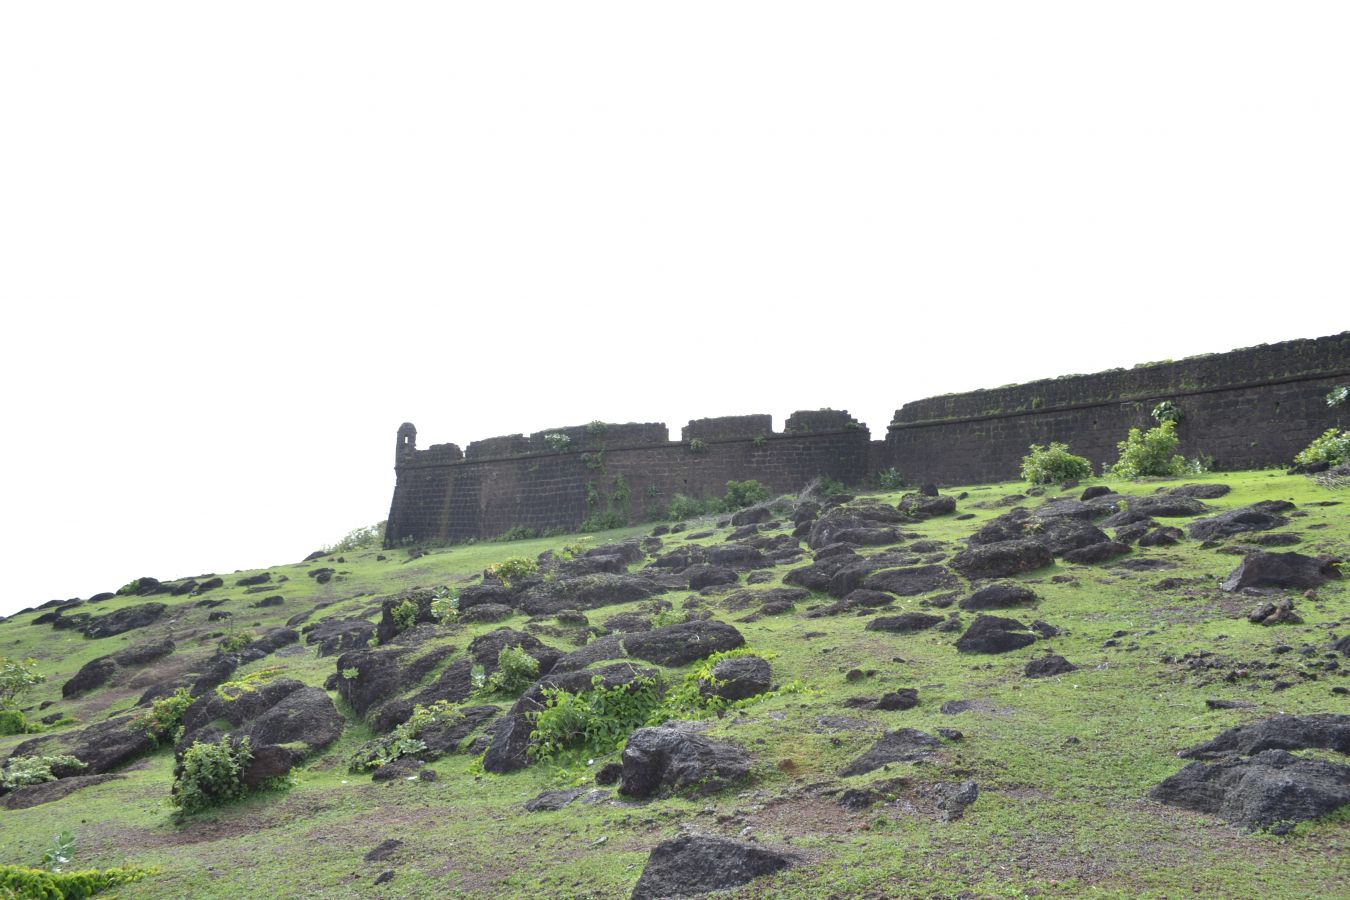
(240, 243)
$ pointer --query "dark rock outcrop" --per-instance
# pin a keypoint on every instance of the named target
(124, 620)
(1270, 788)
(992, 634)
(901, 745)
(672, 759)
(1261, 516)
(1002, 558)
(1001, 595)
(692, 865)
(1281, 570)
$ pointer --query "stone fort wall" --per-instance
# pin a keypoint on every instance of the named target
(1248, 408)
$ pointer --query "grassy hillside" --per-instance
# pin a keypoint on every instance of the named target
(1064, 764)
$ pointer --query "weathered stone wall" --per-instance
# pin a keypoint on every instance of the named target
(502, 483)
(1247, 409)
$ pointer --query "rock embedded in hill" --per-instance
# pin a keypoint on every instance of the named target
(1281, 613)
(905, 623)
(124, 620)
(1281, 570)
(389, 627)
(587, 592)
(1001, 595)
(1163, 536)
(1313, 732)
(864, 525)
(339, 635)
(46, 792)
(692, 865)
(738, 678)
(672, 759)
(1262, 516)
(1269, 788)
(486, 613)
(992, 634)
(909, 582)
(683, 643)
(1001, 559)
(923, 506)
(901, 745)
(1097, 553)
(898, 700)
(386, 672)
(703, 575)
(98, 672)
(1048, 667)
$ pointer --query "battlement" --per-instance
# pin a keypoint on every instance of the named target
(1248, 408)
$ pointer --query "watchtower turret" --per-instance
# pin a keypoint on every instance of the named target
(407, 442)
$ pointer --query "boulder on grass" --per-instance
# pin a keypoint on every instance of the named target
(692, 865)
(672, 759)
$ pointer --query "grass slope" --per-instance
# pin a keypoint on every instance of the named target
(1064, 764)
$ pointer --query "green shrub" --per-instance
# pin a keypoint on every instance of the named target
(20, 771)
(1047, 465)
(404, 615)
(233, 690)
(17, 678)
(741, 494)
(604, 521)
(1332, 448)
(359, 539)
(211, 774)
(13, 721)
(513, 569)
(1151, 452)
(557, 441)
(594, 721)
(890, 480)
(670, 616)
(21, 881)
(828, 487)
(1338, 395)
(445, 605)
(516, 670)
(165, 716)
(698, 445)
(683, 506)
(519, 533)
(596, 428)
(235, 642)
(686, 699)
(405, 740)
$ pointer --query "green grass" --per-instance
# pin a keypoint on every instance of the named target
(1064, 764)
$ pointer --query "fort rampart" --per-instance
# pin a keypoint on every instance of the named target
(1248, 408)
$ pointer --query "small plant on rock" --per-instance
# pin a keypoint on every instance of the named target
(404, 615)
(164, 719)
(513, 569)
(1332, 448)
(1047, 465)
(698, 445)
(1152, 452)
(516, 671)
(233, 643)
(1338, 395)
(404, 740)
(557, 441)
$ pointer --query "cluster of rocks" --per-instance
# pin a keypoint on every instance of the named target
(1249, 776)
